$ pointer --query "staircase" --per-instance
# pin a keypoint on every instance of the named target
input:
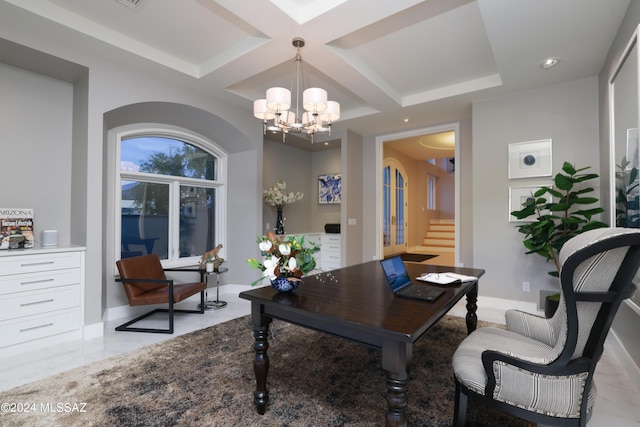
(441, 236)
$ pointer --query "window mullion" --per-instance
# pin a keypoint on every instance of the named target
(174, 223)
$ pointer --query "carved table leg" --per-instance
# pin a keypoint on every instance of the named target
(472, 306)
(261, 363)
(397, 401)
(396, 359)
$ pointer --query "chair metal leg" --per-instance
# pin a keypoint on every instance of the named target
(125, 327)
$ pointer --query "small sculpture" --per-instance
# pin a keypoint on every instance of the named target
(212, 256)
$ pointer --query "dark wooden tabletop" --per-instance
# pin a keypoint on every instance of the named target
(360, 296)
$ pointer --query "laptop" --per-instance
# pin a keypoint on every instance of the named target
(401, 285)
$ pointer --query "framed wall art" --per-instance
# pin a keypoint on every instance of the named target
(329, 189)
(530, 159)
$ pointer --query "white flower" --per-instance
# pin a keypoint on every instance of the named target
(270, 265)
(284, 249)
(293, 264)
(278, 196)
(265, 245)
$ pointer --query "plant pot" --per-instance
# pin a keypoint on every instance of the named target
(551, 303)
(285, 284)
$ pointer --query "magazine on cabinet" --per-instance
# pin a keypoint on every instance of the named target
(16, 228)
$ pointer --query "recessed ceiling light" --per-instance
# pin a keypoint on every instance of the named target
(550, 62)
(406, 120)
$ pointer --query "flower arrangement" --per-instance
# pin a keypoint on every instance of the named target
(284, 256)
(277, 195)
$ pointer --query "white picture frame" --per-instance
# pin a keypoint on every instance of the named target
(519, 195)
(530, 159)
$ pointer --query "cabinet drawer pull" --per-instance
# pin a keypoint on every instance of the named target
(33, 282)
(31, 264)
(26, 304)
(36, 327)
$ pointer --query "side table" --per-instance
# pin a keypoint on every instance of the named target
(204, 277)
(215, 304)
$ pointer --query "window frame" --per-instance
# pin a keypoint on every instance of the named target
(174, 182)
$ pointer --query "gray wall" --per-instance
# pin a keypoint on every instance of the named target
(565, 113)
(37, 158)
(300, 169)
(65, 131)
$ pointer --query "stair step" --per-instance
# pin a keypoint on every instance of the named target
(442, 221)
(443, 227)
(436, 249)
(440, 235)
(439, 242)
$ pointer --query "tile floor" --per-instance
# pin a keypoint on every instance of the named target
(618, 393)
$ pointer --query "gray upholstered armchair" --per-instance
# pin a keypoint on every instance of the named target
(542, 369)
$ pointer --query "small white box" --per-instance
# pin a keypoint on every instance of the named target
(49, 238)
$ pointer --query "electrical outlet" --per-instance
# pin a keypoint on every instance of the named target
(526, 287)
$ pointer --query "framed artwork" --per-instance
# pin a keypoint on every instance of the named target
(519, 195)
(329, 189)
(530, 159)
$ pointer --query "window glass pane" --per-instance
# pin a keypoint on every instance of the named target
(197, 220)
(399, 208)
(145, 219)
(166, 156)
(386, 204)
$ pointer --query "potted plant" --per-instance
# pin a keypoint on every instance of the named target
(559, 213)
(286, 260)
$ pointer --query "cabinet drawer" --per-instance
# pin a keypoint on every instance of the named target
(32, 281)
(33, 263)
(35, 327)
(28, 303)
(331, 239)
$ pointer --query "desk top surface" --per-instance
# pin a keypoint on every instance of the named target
(360, 296)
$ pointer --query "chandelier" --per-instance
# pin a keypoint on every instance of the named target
(276, 113)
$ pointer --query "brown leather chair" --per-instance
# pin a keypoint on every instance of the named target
(145, 283)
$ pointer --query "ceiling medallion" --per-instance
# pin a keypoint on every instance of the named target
(275, 110)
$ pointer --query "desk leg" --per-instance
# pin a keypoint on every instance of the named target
(396, 359)
(472, 307)
(261, 360)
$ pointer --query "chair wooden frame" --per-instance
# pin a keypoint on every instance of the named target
(621, 288)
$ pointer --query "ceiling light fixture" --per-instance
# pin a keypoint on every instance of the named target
(276, 106)
(550, 62)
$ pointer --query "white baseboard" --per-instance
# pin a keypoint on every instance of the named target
(631, 369)
(94, 330)
(492, 309)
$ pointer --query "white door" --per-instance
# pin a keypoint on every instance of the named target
(394, 208)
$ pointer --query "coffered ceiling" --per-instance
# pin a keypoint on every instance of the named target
(392, 65)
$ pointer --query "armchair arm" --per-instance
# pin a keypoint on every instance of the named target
(144, 280)
(553, 388)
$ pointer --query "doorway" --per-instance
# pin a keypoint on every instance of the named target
(416, 193)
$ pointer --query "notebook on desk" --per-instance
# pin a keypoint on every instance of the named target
(401, 285)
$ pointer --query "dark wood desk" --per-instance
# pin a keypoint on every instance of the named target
(357, 304)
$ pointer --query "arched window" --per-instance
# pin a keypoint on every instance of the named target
(170, 194)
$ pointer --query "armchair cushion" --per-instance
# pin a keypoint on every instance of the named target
(514, 385)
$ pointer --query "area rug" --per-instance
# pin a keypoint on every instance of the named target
(416, 257)
(206, 378)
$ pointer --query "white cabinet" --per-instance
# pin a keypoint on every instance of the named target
(330, 252)
(41, 296)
